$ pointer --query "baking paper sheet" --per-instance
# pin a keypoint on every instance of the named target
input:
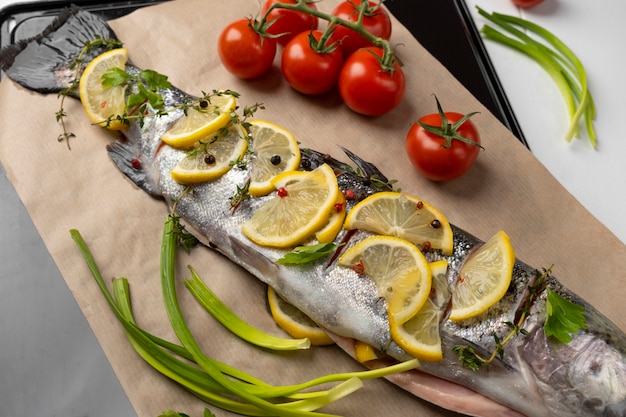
(81, 188)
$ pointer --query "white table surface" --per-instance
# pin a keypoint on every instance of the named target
(52, 365)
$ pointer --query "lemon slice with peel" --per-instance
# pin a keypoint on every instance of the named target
(399, 270)
(335, 221)
(402, 215)
(300, 207)
(213, 156)
(293, 321)
(200, 122)
(419, 336)
(103, 105)
(275, 150)
(484, 278)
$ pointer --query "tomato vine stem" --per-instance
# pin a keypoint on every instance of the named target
(389, 56)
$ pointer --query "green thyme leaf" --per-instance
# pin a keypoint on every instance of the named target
(305, 254)
(563, 317)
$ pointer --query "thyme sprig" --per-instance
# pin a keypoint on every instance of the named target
(77, 66)
(242, 194)
(146, 101)
(468, 355)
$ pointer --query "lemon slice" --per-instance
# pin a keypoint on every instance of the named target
(484, 278)
(440, 292)
(213, 157)
(364, 352)
(103, 104)
(200, 122)
(398, 268)
(275, 150)
(335, 221)
(295, 322)
(300, 208)
(401, 215)
(419, 336)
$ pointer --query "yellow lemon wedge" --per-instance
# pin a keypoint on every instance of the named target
(213, 156)
(402, 215)
(335, 221)
(293, 321)
(103, 105)
(364, 352)
(398, 268)
(274, 151)
(300, 207)
(200, 122)
(484, 278)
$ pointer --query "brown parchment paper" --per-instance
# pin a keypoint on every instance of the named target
(62, 189)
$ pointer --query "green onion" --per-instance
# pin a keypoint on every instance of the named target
(236, 325)
(214, 382)
(556, 58)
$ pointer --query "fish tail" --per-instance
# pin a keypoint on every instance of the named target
(44, 63)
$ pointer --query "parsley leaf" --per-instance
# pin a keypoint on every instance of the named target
(115, 77)
(305, 254)
(563, 317)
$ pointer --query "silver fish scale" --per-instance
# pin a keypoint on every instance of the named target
(343, 301)
(349, 305)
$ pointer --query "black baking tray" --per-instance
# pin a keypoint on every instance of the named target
(444, 27)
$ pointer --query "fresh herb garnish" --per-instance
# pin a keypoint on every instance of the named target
(305, 254)
(241, 195)
(77, 65)
(563, 317)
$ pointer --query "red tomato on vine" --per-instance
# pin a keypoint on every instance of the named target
(243, 51)
(367, 87)
(376, 21)
(443, 146)
(525, 4)
(288, 23)
(308, 70)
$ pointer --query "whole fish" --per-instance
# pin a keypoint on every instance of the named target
(535, 377)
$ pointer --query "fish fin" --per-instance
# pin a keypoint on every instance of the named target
(125, 155)
(43, 63)
(254, 261)
(367, 169)
(312, 159)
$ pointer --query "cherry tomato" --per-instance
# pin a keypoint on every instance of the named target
(525, 4)
(307, 70)
(375, 20)
(366, 87)
(288, 22)
(244, 52)
(447, 153)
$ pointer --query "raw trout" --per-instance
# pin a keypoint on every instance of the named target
(535, 377)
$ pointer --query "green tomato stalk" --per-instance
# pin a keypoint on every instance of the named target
(556, 58)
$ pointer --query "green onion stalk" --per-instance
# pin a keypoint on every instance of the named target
(556, 58)
(212, 381)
